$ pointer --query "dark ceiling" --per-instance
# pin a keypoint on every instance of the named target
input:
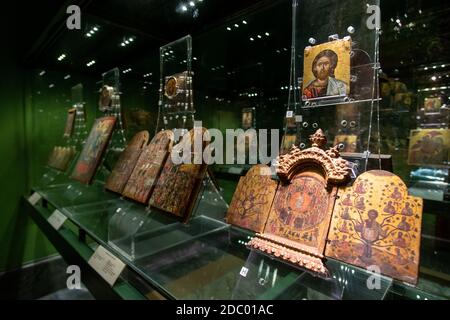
(421, 37)
(153, 23)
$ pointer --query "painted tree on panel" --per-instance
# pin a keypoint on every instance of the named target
(377, 223)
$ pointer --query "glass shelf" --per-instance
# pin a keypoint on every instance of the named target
(268, 276)
(207, 258)
(72, 193)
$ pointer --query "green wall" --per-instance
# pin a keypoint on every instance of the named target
(21, 240)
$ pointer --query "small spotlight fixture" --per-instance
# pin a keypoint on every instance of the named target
(90, 63)
(92, 31)
(62, 57)
(127, 41)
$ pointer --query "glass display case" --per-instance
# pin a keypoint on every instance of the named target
(287, 68)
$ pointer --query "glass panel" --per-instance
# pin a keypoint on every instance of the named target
(70, 194)
(176, 100)
(265, 278)
(137, 232)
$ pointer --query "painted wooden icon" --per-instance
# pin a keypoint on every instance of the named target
(178, 92)
(346, 142)
(70, 123)
(432, 104)
(253, 199)
(298, 222)
(376, 223)
(327, 70)
(429, 147)
(247, 118)
(179, 183)
(142, 181)
(61, 157)
(93, 150)
(287, 142)
(125, 164)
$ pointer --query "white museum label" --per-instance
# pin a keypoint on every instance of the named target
(34, 198)
(108, 266)
(243, 272)
(289, 114)
(57, 219)
(299, 118)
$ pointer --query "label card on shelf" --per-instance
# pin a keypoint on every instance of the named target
(243, 272)
(289, 114)
(57, 219)
(107, 265)
(34, 198)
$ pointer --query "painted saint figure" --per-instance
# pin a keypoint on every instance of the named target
(360, 204)
(407, 210)
(403, 225)
(371, 232)
(400, 241)
(396, 194)
(325, 83)
(347, 201)
(389, 208)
